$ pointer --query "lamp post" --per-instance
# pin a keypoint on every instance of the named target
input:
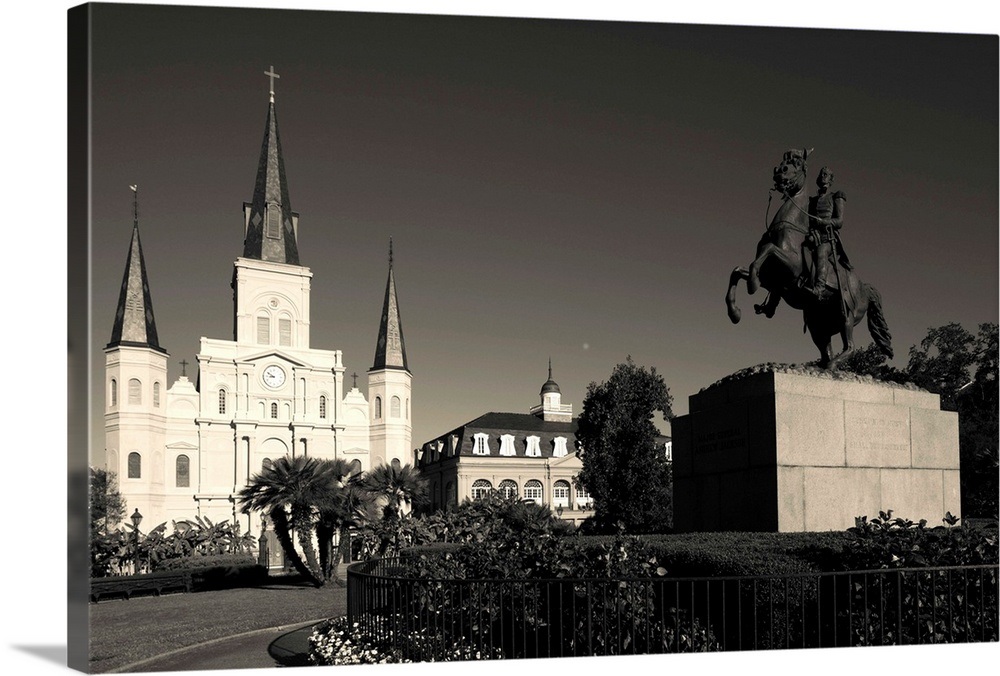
(136, 520)
(263, 555)
(559, 511)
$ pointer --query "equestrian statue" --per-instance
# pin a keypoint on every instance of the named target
(801, 260)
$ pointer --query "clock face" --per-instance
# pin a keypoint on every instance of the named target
(274, 376)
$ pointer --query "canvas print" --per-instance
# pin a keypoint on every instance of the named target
(423, 338)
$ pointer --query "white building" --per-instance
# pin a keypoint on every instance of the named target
(188, 449)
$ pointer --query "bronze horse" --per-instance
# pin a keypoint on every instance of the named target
(779, 267)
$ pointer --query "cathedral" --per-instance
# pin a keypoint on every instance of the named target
(188, 449)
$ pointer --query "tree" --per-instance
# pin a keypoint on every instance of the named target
(395, 487)
(107, 506)
(287, 490)
(624, 468)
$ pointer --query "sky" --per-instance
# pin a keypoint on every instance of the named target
(578, 190)
(929, 182)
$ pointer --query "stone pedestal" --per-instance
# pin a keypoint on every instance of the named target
(786, 451)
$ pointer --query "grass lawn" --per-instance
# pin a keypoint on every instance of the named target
(123, 632)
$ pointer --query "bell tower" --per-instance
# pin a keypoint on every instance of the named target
(389, 385)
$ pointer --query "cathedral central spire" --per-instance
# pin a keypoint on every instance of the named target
(271, 227)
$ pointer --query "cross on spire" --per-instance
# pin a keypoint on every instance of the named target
(390, 251)
(184, 365)
(272, 75)
(355, 376)
(135, 204)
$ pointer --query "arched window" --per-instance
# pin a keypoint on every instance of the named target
(481, 488)
(395, 464)
(582, 495)
(156, 395)
(134, 465)
(274, 410)
(508, 488)
(183, 471)
(222, 401)
(263, 329)
(378, 407)
(284, 331)
(450, 496)
(560, 494)
(114, 392)
(322, 406)
(266, 464)
(394, 407)
(407, 409)
(355, 467)
(533, 491)
(134, 392)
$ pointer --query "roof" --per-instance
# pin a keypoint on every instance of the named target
(518, 425)
(390, 350)
(134, 323)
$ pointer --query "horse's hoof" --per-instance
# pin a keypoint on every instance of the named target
(764, 310)
(734, 315)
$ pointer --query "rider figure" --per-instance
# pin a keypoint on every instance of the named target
(826, 218)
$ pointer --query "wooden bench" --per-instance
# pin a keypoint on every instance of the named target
(127, 585)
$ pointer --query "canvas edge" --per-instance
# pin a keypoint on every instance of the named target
(78, 333)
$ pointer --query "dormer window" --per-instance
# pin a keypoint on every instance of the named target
(480, 444)
(559, 447)
(532, 449)
(507, 445)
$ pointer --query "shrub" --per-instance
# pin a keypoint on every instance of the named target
(887, 542)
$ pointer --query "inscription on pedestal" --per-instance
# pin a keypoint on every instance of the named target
(877, 435)
(721, 440)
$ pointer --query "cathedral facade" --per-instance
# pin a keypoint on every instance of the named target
(188, 448)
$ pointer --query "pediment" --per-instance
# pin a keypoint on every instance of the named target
(568, 459)
(182, 446)
(272, 354)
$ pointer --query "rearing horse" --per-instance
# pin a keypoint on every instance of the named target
(780, 263)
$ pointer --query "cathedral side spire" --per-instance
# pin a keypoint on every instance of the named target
(271, 227)
(134, 323)
(390, 352)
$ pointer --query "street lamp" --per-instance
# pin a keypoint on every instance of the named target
(136, 520)
(262, 553)
(559, 511)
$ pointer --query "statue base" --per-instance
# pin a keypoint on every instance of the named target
(786, 449)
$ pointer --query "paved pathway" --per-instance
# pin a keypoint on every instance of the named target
(278, 646)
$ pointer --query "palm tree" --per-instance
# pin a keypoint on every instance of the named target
(287, 490)
(396, 487)
(330, 496)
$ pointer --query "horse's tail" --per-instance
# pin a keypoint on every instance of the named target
(876, 321)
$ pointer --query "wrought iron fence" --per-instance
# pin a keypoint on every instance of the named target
(514, 618)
